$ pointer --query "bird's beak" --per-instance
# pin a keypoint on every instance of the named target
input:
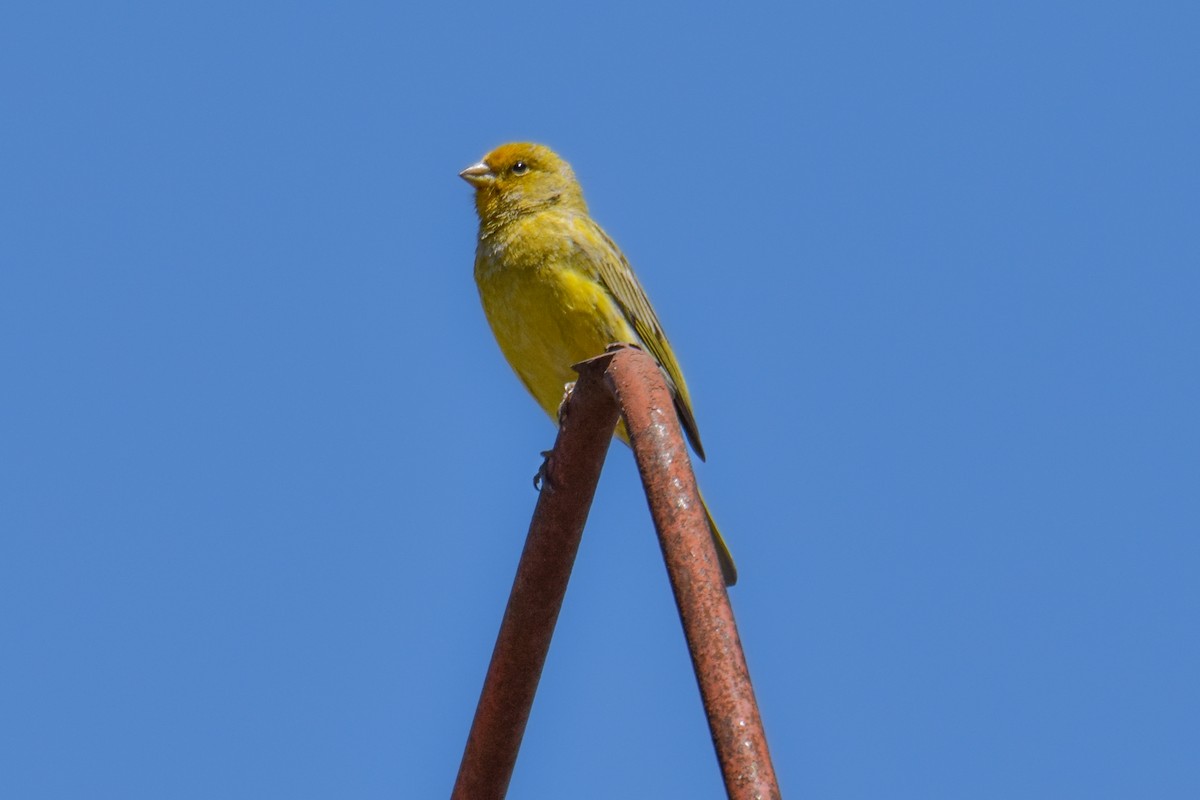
(477, 174)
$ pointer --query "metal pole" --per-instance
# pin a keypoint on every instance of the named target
(572, 470)
(691, 558)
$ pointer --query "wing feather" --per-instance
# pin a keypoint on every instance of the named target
(613, 271)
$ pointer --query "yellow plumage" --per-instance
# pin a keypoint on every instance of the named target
(556, 289)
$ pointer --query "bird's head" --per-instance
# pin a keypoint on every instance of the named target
(520, 178)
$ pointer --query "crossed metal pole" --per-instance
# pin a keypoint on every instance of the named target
(622, 383)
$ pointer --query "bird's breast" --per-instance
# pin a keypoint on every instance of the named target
(546, 309)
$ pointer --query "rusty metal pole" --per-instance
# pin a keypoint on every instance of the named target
(708, 623)
(572, 470)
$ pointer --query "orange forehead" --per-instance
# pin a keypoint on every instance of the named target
(506, 155)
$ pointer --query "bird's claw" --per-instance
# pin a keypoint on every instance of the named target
(542, 476)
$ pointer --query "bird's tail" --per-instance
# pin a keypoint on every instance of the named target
(724, 557)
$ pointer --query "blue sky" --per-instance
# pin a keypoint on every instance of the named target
(931, 271)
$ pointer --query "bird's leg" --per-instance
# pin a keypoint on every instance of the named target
(568, 390)
(542, 476)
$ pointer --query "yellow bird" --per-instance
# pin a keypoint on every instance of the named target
(556, 289)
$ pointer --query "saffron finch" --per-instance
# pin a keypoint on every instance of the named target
(556, 289)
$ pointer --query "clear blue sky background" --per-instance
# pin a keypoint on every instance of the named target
(932, 271)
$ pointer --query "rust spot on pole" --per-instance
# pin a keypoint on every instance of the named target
(572, 470)
(695, 574)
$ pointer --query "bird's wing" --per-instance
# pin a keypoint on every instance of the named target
(615, 274)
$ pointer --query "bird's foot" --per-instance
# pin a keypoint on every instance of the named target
(542, 476)
(568, 390)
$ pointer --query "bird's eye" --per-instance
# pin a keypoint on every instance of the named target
(520, 168)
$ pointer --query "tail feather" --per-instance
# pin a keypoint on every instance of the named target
(724, 557)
